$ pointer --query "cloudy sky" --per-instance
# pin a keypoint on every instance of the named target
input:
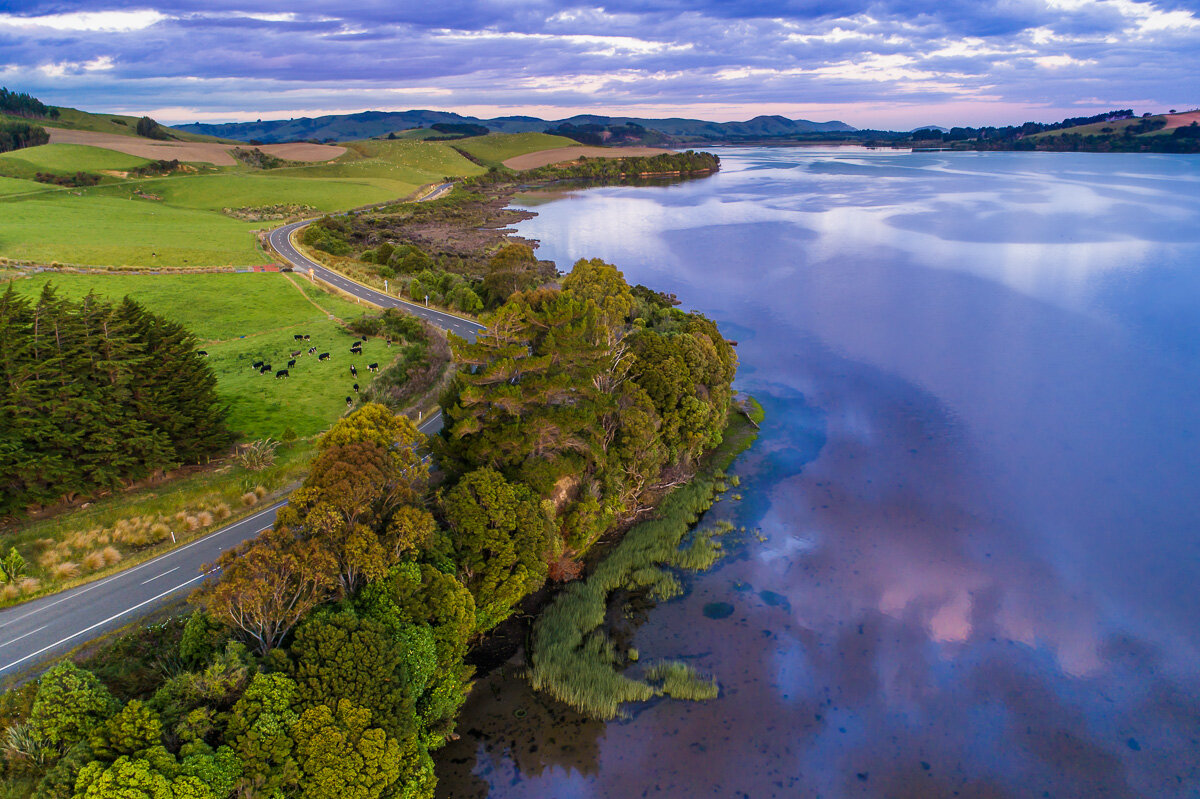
(888, 63)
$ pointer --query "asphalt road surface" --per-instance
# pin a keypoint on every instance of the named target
(34, 632)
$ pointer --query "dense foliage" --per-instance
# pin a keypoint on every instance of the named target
(328, 658)
(16, 135)
(587, 395)
(688, 162)
(20, 104)
(94, 395)
(423, 359)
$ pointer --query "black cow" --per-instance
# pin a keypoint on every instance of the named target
(298, 337)
(349, 401)
(364, 338)
(295, 353)
(324, 356)
(356, 388)
(266, 367)
(256, 365)
(353, 370)
(356, 350)
(281, 373)
(312, 350)
(374, 367)
(306, 337)
(202, 353)
(291, 363)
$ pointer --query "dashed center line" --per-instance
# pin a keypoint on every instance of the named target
(164, 574)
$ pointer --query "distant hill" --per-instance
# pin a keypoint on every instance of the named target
(372, 124)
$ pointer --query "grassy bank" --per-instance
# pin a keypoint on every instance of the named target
(117, 532)
(573, 658)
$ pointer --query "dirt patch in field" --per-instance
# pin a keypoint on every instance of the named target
(562, 154)
(207, 152)
(1182, 120)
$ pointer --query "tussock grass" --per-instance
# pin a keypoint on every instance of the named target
(573, 659)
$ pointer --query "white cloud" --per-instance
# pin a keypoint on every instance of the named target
(102, 21)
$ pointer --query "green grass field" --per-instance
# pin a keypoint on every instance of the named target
(495, 148)
(100, 230)
(18, 186)
(108, 225)
(242, 318)
(70, 158)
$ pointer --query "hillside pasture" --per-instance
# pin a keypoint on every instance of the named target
(495, 148)
(92, 228)
(242, 318)
(209, 152)
(62, 158)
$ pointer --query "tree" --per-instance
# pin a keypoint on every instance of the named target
(133, 728)
(513, 268)
(344, 657)
(268, 585)
(260, 732)
(341, 756)
(500, 535)
(150, 129)
(603, 284)
(70, 703)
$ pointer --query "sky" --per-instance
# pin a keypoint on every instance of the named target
(871, 63)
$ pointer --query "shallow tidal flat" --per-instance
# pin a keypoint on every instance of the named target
(973, 550)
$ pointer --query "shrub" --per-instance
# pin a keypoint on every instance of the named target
(93, 561)
(222, 511)
(260, 492)
(110, 555)
(205, 518)
(257, 455)
(249, 499)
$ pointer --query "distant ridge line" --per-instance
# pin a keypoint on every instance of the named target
(370, 124)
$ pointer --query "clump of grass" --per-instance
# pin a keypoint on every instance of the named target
(65, 570)
(249, 499)
(9, 592)
(260, 492)
(111, 556)
(572, 657)
(29, 585)
(49, 559)
(205, 518)
(93, 560)
(681, 681)
(222, 511)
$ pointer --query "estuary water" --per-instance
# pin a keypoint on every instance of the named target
(973, 559)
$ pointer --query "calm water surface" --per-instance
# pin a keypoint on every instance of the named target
(978, 487)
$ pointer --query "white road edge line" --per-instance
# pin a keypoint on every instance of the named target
(115, 616)
(8, 666)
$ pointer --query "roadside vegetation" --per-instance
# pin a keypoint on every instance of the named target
(329, 657)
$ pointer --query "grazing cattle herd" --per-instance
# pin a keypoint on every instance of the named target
(263, 367)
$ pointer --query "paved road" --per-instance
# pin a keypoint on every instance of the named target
(39, 630)
(36, 631)
(281, 240)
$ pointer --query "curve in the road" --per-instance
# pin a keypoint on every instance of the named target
(36, 631)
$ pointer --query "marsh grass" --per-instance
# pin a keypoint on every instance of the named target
(573, 658)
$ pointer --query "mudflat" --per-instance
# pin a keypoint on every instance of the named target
(207, 152)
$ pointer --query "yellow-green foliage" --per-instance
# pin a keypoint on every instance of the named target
(573, 659)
